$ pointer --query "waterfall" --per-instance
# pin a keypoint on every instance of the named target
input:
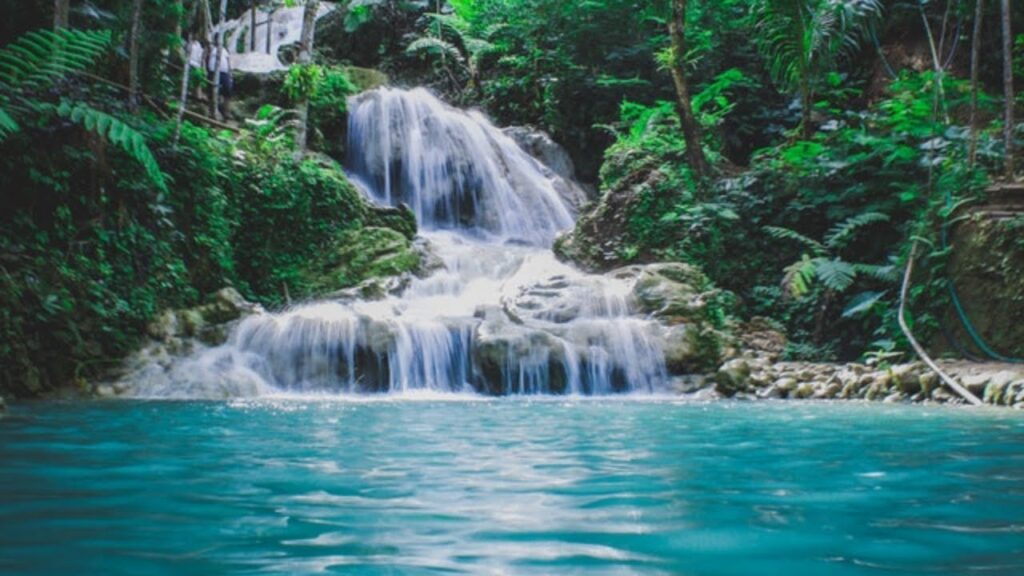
(501, 316)
(453, 168)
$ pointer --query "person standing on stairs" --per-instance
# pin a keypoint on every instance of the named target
(226, 80)
(196, 57)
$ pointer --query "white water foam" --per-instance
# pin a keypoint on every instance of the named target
(502, 316)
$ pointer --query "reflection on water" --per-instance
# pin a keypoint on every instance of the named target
(509, 487)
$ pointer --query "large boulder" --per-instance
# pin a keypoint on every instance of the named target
(986, 266)
(511, 358)
(604, 237)
(674, 292)
(207, 323)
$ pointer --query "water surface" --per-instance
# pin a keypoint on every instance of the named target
(510, 486)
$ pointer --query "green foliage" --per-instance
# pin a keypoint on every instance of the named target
(303, 82)
(89, 254)
(364, 254)
(36, 61)
(804, 39)
(116, 132)
(826, 263)
(434, 47)
(40, 58)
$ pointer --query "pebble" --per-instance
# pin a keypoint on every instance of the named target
(756, 377)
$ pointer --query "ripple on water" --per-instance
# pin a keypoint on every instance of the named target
(295, 486)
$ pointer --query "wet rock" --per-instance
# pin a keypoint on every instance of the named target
(928, 382)
(731, 378)
(691, 384)
(509, 358)
(803, 391)
(786, 385)
(598, 242)
(191, 322)
(975, 383)
(827, 390)
(557, 163)
(228, 305)
(367, 254)
(1012, 391)
(670, 291)
(906, 378)
(374, 289)
(894, 398)
(430, 262)
(691, 348)
(763, 337)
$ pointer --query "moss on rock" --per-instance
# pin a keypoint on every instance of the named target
(987, 269)
(363, 254)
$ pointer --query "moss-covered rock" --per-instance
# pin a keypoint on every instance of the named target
(367, 78)
(987, 270)
(604, 237)
(401, 219)
(682, 298)
(364, 254)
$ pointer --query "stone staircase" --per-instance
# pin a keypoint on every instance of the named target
(1005, 201)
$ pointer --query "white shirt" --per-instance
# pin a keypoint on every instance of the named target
(225, 60)
(195, 54)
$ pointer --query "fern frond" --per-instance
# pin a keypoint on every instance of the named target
(434, 47)
(862, 303)
(118, 133)
(8, 125)
(835, 274)
(450, 22)
(799, 277)
(37, 59)
(887, 273)
(843, 232)
(792, 235)
(478, 48)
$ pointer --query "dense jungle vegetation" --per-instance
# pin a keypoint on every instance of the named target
(799, 151)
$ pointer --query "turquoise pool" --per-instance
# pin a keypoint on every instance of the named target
(509, 486)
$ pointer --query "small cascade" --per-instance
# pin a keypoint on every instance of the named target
(257, 50)
(502, 316)
(455, 169)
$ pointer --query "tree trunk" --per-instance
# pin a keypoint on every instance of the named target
(133, 56)
(806, 108)
(979, 16)
(305, 57)
(252, 28)
(61, 13)
(218, 52)
(804, 70)
(691, 130)
(183, 97)
(1008, 121)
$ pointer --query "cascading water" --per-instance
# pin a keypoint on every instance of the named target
(501, 316)
(453, 168)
